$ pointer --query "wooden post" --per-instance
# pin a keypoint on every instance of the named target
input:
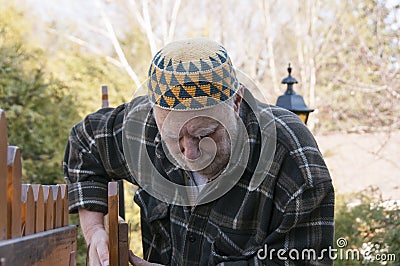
(3, 175)
(64, 196)
(104, 96)
(123, 244)
(113, 222)
(39, 207)
(57, 206)
(14, 191)
(49, 205)
(72, 258)
(24, 191)
(28, 209)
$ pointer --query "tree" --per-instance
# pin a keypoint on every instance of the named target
(359, 68)
(39, 110)
(345, 54)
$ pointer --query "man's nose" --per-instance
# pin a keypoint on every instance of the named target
(190, 148)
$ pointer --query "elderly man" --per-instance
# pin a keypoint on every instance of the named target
(223, 178)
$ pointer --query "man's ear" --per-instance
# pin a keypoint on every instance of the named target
(237, 100)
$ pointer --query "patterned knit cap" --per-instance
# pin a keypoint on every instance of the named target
(191, 74)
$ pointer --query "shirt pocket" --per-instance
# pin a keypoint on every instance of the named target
(232, 245)
(160, 247)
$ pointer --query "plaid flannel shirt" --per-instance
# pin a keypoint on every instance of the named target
(290, 212)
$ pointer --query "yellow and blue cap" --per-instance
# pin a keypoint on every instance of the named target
(191, 74)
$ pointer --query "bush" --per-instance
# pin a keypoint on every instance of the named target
(369, 225)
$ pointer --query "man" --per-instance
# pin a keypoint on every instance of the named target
(223, 178)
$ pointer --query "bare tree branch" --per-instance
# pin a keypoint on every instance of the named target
(118, 49)
(148, 28)
(269, 42)
(87, 45)
(172, 26)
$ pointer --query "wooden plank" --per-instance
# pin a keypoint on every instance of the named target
(29, 211)
(113, 222)
(3, 175)
(51, 247)
(39, 207)
(104, 96)
(123, 245)
(24, 192)
(14, 191)
(72, 258)
(49, 206)
(64, 196)
(57, 206)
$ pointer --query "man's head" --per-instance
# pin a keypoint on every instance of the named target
(196, 97)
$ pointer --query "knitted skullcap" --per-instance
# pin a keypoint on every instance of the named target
(191, 74)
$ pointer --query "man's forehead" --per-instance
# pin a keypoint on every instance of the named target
(210, 113)
(174, 119)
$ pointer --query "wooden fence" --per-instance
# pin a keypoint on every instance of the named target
(34, 226)
(116, 227)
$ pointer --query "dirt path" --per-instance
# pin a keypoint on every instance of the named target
(357, 161)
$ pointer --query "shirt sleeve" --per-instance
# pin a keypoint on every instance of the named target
(303, 221)
(306, 232)
(93, 157)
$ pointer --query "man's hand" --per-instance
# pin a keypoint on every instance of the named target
(98, 250)
(136, 261)
(92, 224)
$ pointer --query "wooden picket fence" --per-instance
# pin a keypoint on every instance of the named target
(116, 227)
(34, 226)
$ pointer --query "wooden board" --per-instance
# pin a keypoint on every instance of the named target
(64, 196)
(51, 247)
(3, 175)
(39, 207)
(49, 206)
(14, 191)
(113, 222)
(123, 244)
(27, 210)
(58, 206)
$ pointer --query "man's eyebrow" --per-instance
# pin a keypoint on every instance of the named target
(205, 131)
(169, 134)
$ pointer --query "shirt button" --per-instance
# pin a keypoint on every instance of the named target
(192, 238)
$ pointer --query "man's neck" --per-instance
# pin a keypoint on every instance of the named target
(199, 179)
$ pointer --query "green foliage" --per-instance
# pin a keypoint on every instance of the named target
(38, 109)
(368, 223)
(85, 74)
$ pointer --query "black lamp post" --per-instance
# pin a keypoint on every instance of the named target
(292, 101)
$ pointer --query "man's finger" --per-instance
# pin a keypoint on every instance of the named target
(102, 251)
(136, 261)
(93, 257)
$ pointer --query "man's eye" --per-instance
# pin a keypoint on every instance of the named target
(206, 135)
